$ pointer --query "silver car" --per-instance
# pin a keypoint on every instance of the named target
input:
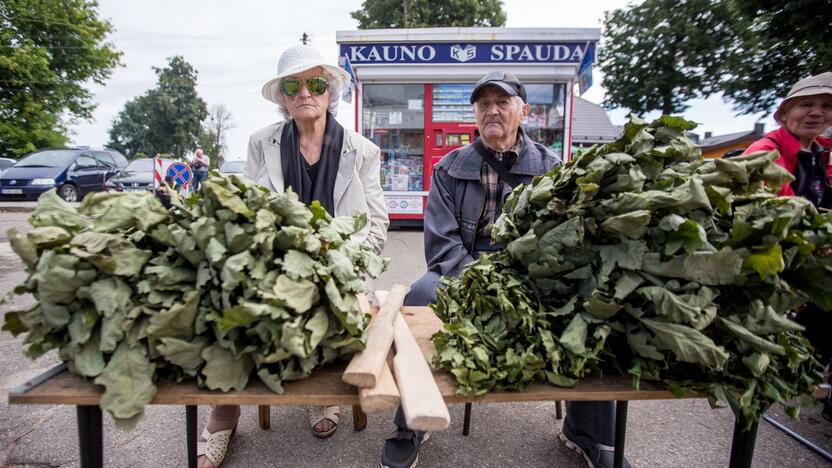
(233, 167)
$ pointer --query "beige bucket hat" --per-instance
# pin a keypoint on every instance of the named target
(818, 84)
(296, 60)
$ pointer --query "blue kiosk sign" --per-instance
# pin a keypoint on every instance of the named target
(460, 52)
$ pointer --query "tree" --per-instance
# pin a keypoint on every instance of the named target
(165, 119)
(662, 53)
(215, 133)
(49, 51)
(780, 42)
(376, 14)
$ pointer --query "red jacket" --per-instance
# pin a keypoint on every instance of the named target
(788, 146)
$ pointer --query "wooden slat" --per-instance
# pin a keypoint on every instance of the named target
(424, 408)
(366, 366)
(383, 397)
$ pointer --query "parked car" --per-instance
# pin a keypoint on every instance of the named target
(5, 163)
(74, 171)
(233, 167)
(137, 176)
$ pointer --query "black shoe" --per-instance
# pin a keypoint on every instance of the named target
(596, 455)
(401, 450)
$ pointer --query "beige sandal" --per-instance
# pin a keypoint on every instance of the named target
(215, 446)
(319, 413)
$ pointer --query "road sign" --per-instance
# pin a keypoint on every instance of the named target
(181, 173)
(157, 172)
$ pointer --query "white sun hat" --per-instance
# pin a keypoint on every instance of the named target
(296, 60)
(813, 85)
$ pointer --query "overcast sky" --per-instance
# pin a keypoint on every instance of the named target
(235, 46)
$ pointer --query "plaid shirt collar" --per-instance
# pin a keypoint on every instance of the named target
(492, 187)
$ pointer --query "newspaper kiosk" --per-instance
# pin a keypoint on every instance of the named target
(413, 86)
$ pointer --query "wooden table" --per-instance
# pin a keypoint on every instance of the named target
(324, 387)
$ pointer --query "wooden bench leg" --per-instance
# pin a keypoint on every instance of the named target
(620, 431)
(742, 446)
(90, 436)
(359, 418)
(558, 410)
(466, 422)
(265, 415)
(190, 434)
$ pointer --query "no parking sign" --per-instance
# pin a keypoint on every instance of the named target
(181, 173)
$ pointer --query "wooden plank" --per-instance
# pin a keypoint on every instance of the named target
(383, 397)
(323, 387)
(423, 405)
(366, 366)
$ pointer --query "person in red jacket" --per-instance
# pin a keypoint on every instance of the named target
(804, 116)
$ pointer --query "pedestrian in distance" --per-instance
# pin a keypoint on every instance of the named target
(199, 165)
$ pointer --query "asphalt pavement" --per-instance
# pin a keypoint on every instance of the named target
(684, 433)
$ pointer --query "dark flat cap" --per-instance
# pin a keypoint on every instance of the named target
(508, 82)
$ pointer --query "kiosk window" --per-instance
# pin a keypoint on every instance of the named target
(394, 122)
(544, 123)
(451, 103)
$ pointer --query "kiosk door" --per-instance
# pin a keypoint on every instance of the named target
(449, 122)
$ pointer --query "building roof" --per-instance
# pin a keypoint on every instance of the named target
(718, 141)
(590, 123)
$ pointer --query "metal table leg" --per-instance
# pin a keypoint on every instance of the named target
(90, 436)
(190, 434)
(742, 446)
(466, 422)
(620, 432)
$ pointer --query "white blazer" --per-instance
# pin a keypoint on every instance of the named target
(357, 184)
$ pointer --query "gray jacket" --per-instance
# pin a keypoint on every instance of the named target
(456, 198)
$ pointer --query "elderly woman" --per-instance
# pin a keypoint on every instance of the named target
(804, 116)
(311, 153)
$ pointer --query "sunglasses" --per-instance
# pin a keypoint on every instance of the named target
(316, 85)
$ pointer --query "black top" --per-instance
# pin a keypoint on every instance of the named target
(312, 182)
(311, 170)
(811, 177)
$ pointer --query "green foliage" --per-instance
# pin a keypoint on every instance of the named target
(780, 42)
(394, 14)
(660, 53)
(49, 51)
(688, 285)
(231, 282)
(166, 119)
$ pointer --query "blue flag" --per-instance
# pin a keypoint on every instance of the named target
(344, 62)
(585, 70)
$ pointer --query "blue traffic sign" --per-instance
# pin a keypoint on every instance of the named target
(181, 173)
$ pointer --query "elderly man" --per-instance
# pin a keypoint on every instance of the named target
(468, 189)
